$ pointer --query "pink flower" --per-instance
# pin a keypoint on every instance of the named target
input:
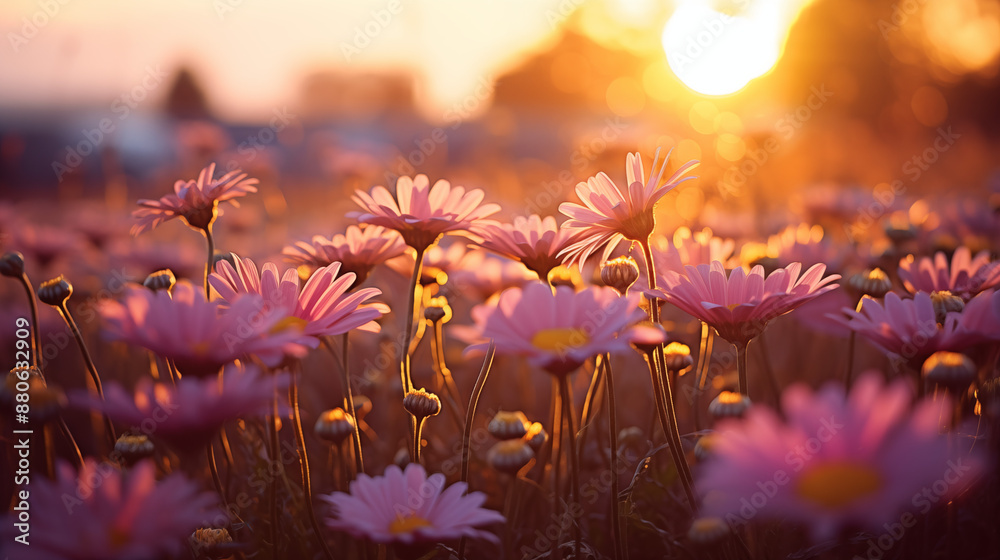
(187, 416)
(358, 251)
(480, 275)
(965, 277)
(322, 308)
(558, 330)
(44, 244)
(532, 240)
(807, 245)
(409, 507)
(837, 462)
(198, 335)
(740, 307)
(421, 213)
(109, 514)
(908, 328)
(609, 216)
(194, 201)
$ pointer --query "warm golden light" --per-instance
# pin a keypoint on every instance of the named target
(718, 50)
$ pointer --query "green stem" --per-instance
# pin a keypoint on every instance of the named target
(619, 545)
(64, 311)
(469, 417)
(404, 349)
(574, 467)
(293, 396)
(741, 365)
(210, 262)
(36, 335)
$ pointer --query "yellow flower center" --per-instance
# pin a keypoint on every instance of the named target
(407, 524)
(838, 484)
(289, 323)
(559, 339)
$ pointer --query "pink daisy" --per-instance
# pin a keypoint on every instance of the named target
(807, 245)
(965, 277)
(194, 201)
(479, 275)
(322, 308)
(837, 462)
(112, 515)
(740, 307)
(187, 416)
(422, 213)
(358, 250)
(409, 507)
(908, 328)
(609, 216)
(534, 241)
(200, 336)
(558, 330)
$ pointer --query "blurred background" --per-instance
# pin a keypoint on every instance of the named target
(785, 102)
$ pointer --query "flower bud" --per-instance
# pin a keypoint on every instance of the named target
(951, 370)
(46, 402)
(438, 310)
(509, 425)
(899, 229)
(510, 456)
(620, 273)
(677, 356)
(536, 436)
(334, 425)
(872, 282)
(729, 405)
(55, 292)
(565, 276)
(944, 303)
(708, 530)
(211, 543)
(134, 448)
(421, 403)
(703, 448)
(160, 280)
(12, 264)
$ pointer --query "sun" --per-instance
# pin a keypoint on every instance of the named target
(718, 50)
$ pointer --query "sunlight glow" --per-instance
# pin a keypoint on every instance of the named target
(717, 50)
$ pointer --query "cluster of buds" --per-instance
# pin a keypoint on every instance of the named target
(519, 439)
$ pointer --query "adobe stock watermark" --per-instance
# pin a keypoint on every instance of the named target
(365, 33)
(796, 459)
(786, 127)
(914, 168)
(121, 107)
(901, 13)
(257, 142)
(922, 502)
(562, 11)
(32, 25)
(551, 191)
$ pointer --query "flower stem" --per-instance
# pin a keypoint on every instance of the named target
(345, 385)
(470, 415)
(210, 262)
(293, 396)
(663, 391)
(418, 428)
(450, 392)
(36, 335)
(704, 361)
(273, 456)
(741, 365)
(64, 311)
(619, 545)
(404, 349)
(574, 467)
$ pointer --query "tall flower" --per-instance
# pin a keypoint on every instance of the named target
(534, 241)
(194, 201)
(200, 336)
(740, 306)
(110, 514)
(873, 455)
(609, 215)
(408, 507)
(358, 250)
(322, 308)
(965, 276)
(189, 414)
(422, 213)
(559, 329)
(909, 328)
